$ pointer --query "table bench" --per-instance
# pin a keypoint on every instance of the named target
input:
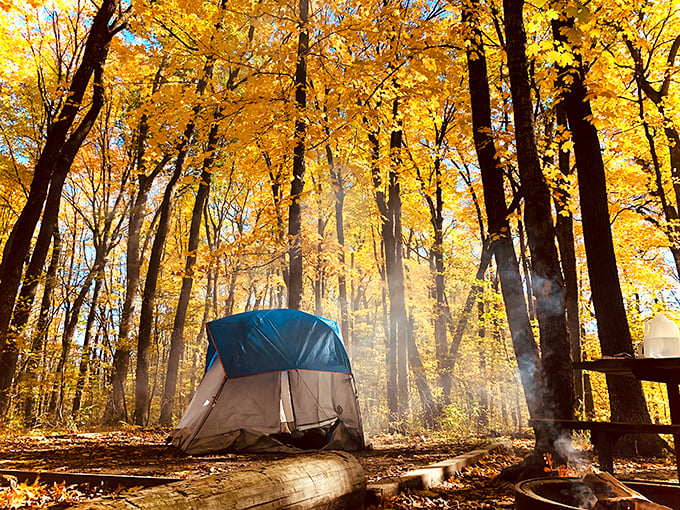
(604, 435)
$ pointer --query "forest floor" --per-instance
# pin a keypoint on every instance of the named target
(145, 453)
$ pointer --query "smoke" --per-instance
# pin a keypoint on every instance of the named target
(576, 460)
(577, 464)
(552, 296)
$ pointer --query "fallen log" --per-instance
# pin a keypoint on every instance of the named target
(330, 480)
(611, 494)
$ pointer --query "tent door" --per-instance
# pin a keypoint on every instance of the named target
(286, 405)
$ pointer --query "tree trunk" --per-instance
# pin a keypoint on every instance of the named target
(564, 227)
(17, 245)
(457, 332)
(146, 315)
(441, 310)
(57, 394)
(548, 285)
(177, 339)
(394, 266)
(427, 402)
(627, 401)
(116, 407)
(22, 309)
(658, 97)
(85, 354)
(142, 397)
(319, 269)
(390, 212)
(40, 333)
(339, 192)
(526, 350)
(297, 184)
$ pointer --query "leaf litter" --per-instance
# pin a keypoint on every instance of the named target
(145, 453)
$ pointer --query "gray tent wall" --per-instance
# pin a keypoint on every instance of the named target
(241, 414)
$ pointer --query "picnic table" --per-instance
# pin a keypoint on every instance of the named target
(605, 434)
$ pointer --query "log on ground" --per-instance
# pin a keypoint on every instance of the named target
(329, 480)
(613, 494)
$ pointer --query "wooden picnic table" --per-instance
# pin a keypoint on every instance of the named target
(605, 434)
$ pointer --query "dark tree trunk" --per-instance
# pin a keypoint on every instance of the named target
(526, 350)
(17, 245)
(394, 267)
(339, 192)
(548, 285)
(115, 411)
(297, 184)
(146, 315)
(319, 270)
(22, 309)
(441, 310)
(142, 395)
(627, 401)
(427, 402)
(390, 211)
(524, 258)
(386, 233)
(30, 375)
(85, 354)
(564, 227)
(57, 395)
(177, 339)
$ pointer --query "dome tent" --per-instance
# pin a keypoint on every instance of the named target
(274, 380)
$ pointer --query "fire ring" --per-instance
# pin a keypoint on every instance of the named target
(566, 493)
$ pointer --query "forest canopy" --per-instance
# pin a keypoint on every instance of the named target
(378, 163)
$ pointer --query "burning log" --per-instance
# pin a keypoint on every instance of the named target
(611, 494)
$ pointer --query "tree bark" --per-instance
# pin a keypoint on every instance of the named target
(430, 410)
(319, 273)
(390, 211)
(146, 317)
(548, 284)
(526, 350)
(116, 407)
(297, 184)
(441, 310)
(658, 97)
(394, 266)
(22, 308)
(177, 339)
(627, 400)
(40, 334)
(387, 230)
(332, 480)
(57, 394)
(339, 192)
(86, 352)
(142, 396)
(564, 227)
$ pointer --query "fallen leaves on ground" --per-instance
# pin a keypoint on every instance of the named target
(144, 452)
(17, 496)
(475, 488)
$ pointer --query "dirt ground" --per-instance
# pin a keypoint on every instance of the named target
(145, 453)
